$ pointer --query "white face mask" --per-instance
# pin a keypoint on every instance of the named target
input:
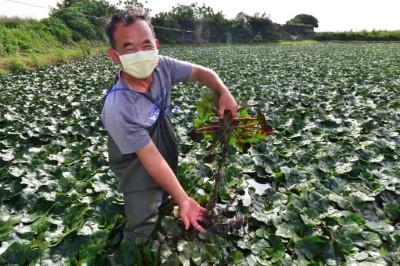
(140, 64)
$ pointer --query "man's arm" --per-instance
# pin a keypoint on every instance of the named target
(211, 80)
(190, 211)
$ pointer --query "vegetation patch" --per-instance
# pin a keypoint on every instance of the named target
(331, 162)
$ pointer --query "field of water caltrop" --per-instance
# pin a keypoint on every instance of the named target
(322, 189)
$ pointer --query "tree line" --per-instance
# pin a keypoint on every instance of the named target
(82, 21)
(77, 21)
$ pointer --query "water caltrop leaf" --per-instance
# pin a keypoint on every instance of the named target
(277, 250)
(259, 246)
(18, 253)
(372, 238)
(344, 168)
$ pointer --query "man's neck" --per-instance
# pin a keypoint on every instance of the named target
(139, 85)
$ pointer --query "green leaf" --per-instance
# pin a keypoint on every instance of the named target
(313, 248)
(372, 238)
(277, 250)
(285, 230)
(260, 246)
(261, 233)
(343, 168)
(355, 218)
(170, 226)
(5, 228)
(18, 253)
(237, 256)
(393, 211)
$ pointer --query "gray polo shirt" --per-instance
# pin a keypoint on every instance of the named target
(132, 118)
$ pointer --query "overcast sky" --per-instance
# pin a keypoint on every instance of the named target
(333, 15)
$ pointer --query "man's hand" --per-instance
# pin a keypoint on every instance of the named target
(191, 212)
(227, 102)
(211, 80)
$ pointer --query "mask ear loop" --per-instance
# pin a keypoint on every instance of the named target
(119, 58)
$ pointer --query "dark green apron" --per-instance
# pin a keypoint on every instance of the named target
(133, 176)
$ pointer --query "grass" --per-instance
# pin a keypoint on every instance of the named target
(14, 63)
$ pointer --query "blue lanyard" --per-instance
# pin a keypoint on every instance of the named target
(113, 90)
(159, 103)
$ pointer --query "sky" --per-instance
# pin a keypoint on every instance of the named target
(332, 15)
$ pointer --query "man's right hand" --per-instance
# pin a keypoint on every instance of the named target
(191, 212)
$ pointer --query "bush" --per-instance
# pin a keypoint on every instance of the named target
(9, 44)
(358, 36)
(35, 59)
(78, 24)
(16, 65)
(24, 37)
(13, 22)
(85, 47)
(61, 57)
(58, 28)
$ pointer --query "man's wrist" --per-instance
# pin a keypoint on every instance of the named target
(180, 199)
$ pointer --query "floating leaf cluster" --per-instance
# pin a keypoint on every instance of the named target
(330, 170)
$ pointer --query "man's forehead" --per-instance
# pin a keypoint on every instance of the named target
(138, 24)
(133, 32)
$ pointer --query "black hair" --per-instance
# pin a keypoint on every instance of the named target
(127, 17)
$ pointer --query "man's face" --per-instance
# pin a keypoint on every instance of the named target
(134, 37)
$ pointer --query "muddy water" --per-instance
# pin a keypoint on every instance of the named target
(260, 188)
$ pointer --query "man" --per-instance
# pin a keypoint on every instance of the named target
(142, 145)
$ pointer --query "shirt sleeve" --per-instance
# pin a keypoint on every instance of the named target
(178, 70)
(117, 118)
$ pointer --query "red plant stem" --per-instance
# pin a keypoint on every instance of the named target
(249, 126)
(245, 119)
(209, 127)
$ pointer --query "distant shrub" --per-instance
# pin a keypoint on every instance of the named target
(78, 24)
(13, 22)
(20, 37)
(16, 65)
(9, 45)
(61, 57)
(358, 36)
(85, 47)
(35, 59)
(58, 28)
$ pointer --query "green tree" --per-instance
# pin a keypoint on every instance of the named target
(84, 18)
(213, 25)
(304, 19)
(58, 29)
(190, 23)
(241, 29)
(130, 3)
(261, 25)
(185, 16)
(77, 22)
(66, 3)
(165, 25)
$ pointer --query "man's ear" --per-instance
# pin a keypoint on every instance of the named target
(114, 56)
(157, 43)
